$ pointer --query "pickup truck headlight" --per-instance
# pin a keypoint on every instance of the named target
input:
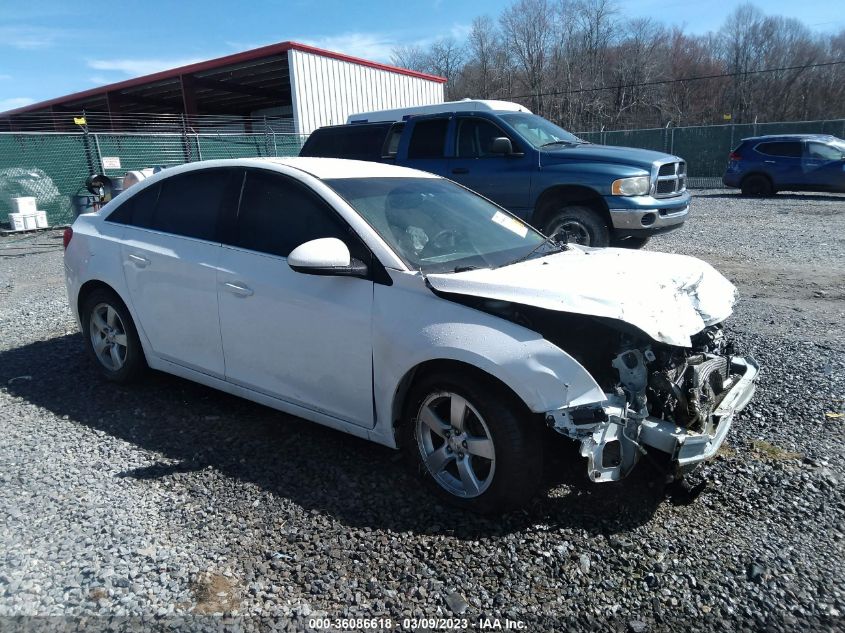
(636, 186)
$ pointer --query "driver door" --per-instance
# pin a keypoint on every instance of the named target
(824, 167)
(305, 339)
(506, 180)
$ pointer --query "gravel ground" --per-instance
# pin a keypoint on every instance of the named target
(168, 500)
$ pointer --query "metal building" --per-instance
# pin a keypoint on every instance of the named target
(297, 87)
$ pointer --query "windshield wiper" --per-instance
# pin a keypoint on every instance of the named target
(558, 143)
(463, 269)
(549, 240)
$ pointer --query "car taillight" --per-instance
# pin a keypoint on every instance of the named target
(734, 156)
(68, 235)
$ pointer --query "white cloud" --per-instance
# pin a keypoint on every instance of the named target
(373, 46)
(99, 80)
(29, 37)
(15, 102)
(136, 67)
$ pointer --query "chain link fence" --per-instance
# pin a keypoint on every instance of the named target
(705, 148)
(53, 166)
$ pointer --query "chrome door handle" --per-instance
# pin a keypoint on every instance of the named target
(238, 289)
(771, 162)
(141, 262)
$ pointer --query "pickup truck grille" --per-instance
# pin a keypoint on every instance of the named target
(671, 180)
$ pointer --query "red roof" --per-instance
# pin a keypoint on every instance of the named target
(219, 62)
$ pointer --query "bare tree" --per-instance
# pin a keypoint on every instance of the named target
(527, 28)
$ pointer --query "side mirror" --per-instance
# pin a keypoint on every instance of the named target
(325, 256)
(501, 145)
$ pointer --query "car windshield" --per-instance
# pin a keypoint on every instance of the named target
(436, 226)
(538, 131)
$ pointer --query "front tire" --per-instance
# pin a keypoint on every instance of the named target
(582, 225)
(475, 446)
(111, 337)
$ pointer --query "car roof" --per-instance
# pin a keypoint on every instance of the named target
(791, 137)
(322, 168)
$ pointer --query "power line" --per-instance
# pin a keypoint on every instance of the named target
(673, 81)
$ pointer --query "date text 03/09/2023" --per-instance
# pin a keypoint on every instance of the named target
(415, 624)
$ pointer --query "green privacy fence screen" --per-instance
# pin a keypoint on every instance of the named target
(706, 148)
(53, 167)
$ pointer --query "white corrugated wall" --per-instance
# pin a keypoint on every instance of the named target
(325, 90)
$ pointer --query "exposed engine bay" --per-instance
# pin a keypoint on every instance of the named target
(678, 400)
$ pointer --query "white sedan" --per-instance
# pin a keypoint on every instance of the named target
(401, 307)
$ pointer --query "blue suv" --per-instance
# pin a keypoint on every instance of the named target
(764, 165)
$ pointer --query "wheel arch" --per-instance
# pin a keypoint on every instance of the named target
(569, 195)
(438, 365)
(95, 284)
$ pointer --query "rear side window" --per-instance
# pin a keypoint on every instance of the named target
(137, 210)
(428, 139)
(791, 149)
(391, 144)
(190, 204)
(361, 142)
(277, 214)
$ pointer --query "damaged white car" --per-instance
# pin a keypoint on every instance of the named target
(403, 308)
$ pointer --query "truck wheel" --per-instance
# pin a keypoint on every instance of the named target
(475, 448)
(629, 242)
(582, 225)
(757, 185)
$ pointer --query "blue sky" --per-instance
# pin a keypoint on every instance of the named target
(49, 48)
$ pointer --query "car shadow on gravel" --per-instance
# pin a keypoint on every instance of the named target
(808, 197)
(193, 428)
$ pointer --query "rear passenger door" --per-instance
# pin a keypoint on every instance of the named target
(781, 160)
(425, 148)
(305, 339)
(506, 180)
(170, 253)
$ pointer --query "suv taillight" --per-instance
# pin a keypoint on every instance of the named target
(68, 235)
(734, 156)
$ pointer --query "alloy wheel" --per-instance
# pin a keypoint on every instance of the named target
(573, 230)
(455, 444)
(108, 336)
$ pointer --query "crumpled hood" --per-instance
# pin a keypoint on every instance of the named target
(669, 297)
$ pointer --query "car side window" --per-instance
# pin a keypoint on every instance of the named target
(137, 209)
(189, 204)
(428, 139)
(277, 214)
(475, 138)
(788, 149)
(391, 143)
(823, 151)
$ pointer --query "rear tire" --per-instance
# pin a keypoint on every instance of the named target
(475, 446)
(582, 224)
(757, 186)
(111, 337)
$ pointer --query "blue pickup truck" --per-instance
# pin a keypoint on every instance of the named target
(595, 195)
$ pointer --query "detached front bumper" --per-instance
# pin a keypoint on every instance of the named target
(689, 449)
(614, 445)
